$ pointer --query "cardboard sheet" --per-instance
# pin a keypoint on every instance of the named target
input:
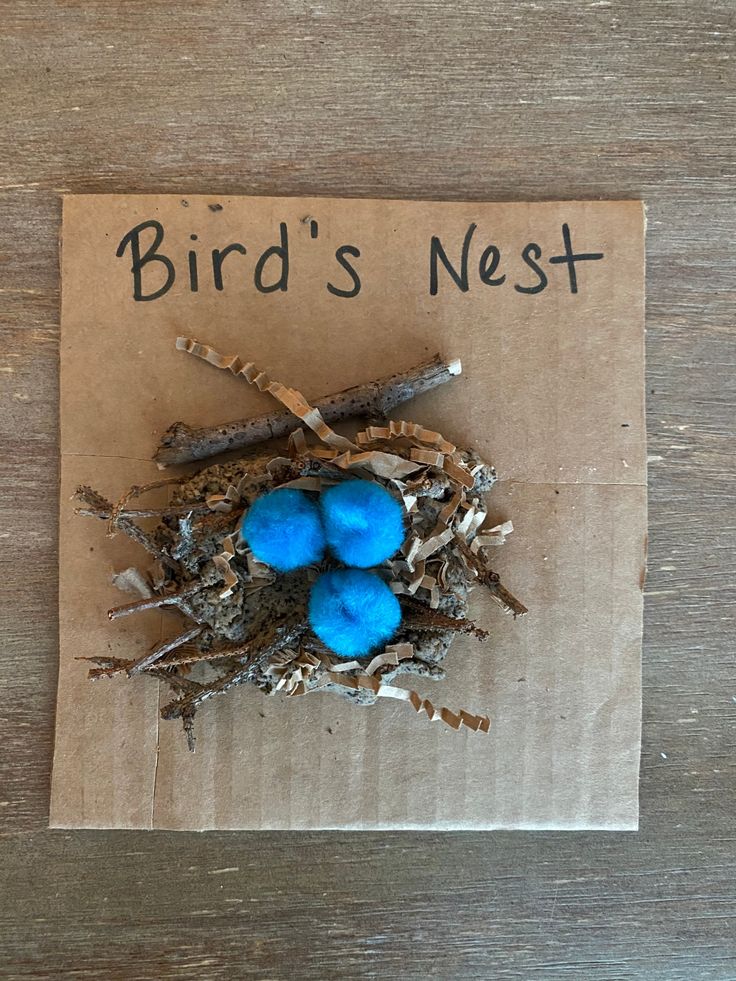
(322, 294)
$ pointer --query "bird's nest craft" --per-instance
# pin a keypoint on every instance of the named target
(332, 564)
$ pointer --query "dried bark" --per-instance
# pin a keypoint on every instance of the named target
(183, 444)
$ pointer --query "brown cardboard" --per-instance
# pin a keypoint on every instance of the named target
(551, 392)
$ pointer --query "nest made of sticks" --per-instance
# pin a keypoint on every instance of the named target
(243, 623)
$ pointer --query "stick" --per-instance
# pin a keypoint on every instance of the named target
(506, 600)
(116, 665)
(421, 617)
(187, 706)
(108, 666)
(172, 512)
(145, 540)
(137, 491)
(240, 651)
(97, 502)
(182, 444)
(154, 601)
(278, 636)
(139, 666)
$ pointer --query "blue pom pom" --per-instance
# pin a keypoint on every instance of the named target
(352, 611)
(364, 524)
(284, 529)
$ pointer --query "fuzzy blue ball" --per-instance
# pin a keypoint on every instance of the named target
(352, 612)
(364, 524)
(284, 529)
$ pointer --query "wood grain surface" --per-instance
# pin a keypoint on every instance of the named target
(466, 100)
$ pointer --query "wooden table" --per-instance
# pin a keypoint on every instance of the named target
(468, 100)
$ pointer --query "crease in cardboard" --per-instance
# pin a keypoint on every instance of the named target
(158, 741)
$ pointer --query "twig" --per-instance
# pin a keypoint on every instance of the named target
(172, 512)
(506, 600)
(117, 665)
(187, 720)
(240, 650)
(139, 666)
(138, 490)
(277, 638)
(107, 666)
(92, 498)
(152, 602)
(99, 503)
(183, 444)
(186, 706)
(421, 617)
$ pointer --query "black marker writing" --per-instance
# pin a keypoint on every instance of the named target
(133, 239)
(437, 251)
(193, 273)
(279, 252)
(570, 258)
(486, 270)
(349, 269)
(465, 266)
(218, 257)
(490, 260)
(532, 250)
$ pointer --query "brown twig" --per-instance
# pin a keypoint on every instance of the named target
(249, 651)
(152, 602)
(506, 600)
(138, 490)
(97, 502)
(172, 512)
(108, 666)
(139, 666)
(92, 498)
(183, 444)
(186, 707)
(187, 720)
(421, 617)
(279, 635)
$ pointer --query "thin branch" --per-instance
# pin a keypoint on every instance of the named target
(139, 666)
(138, 490)
(108, 666)
(142, 537)
(183, 444)
(506, 600)
(96, 502)
(172, 512)
(92, 498)
(251, 651)
(278, 636)
(152, 602)
(182, 707)
(188, 723)
(421, 617)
